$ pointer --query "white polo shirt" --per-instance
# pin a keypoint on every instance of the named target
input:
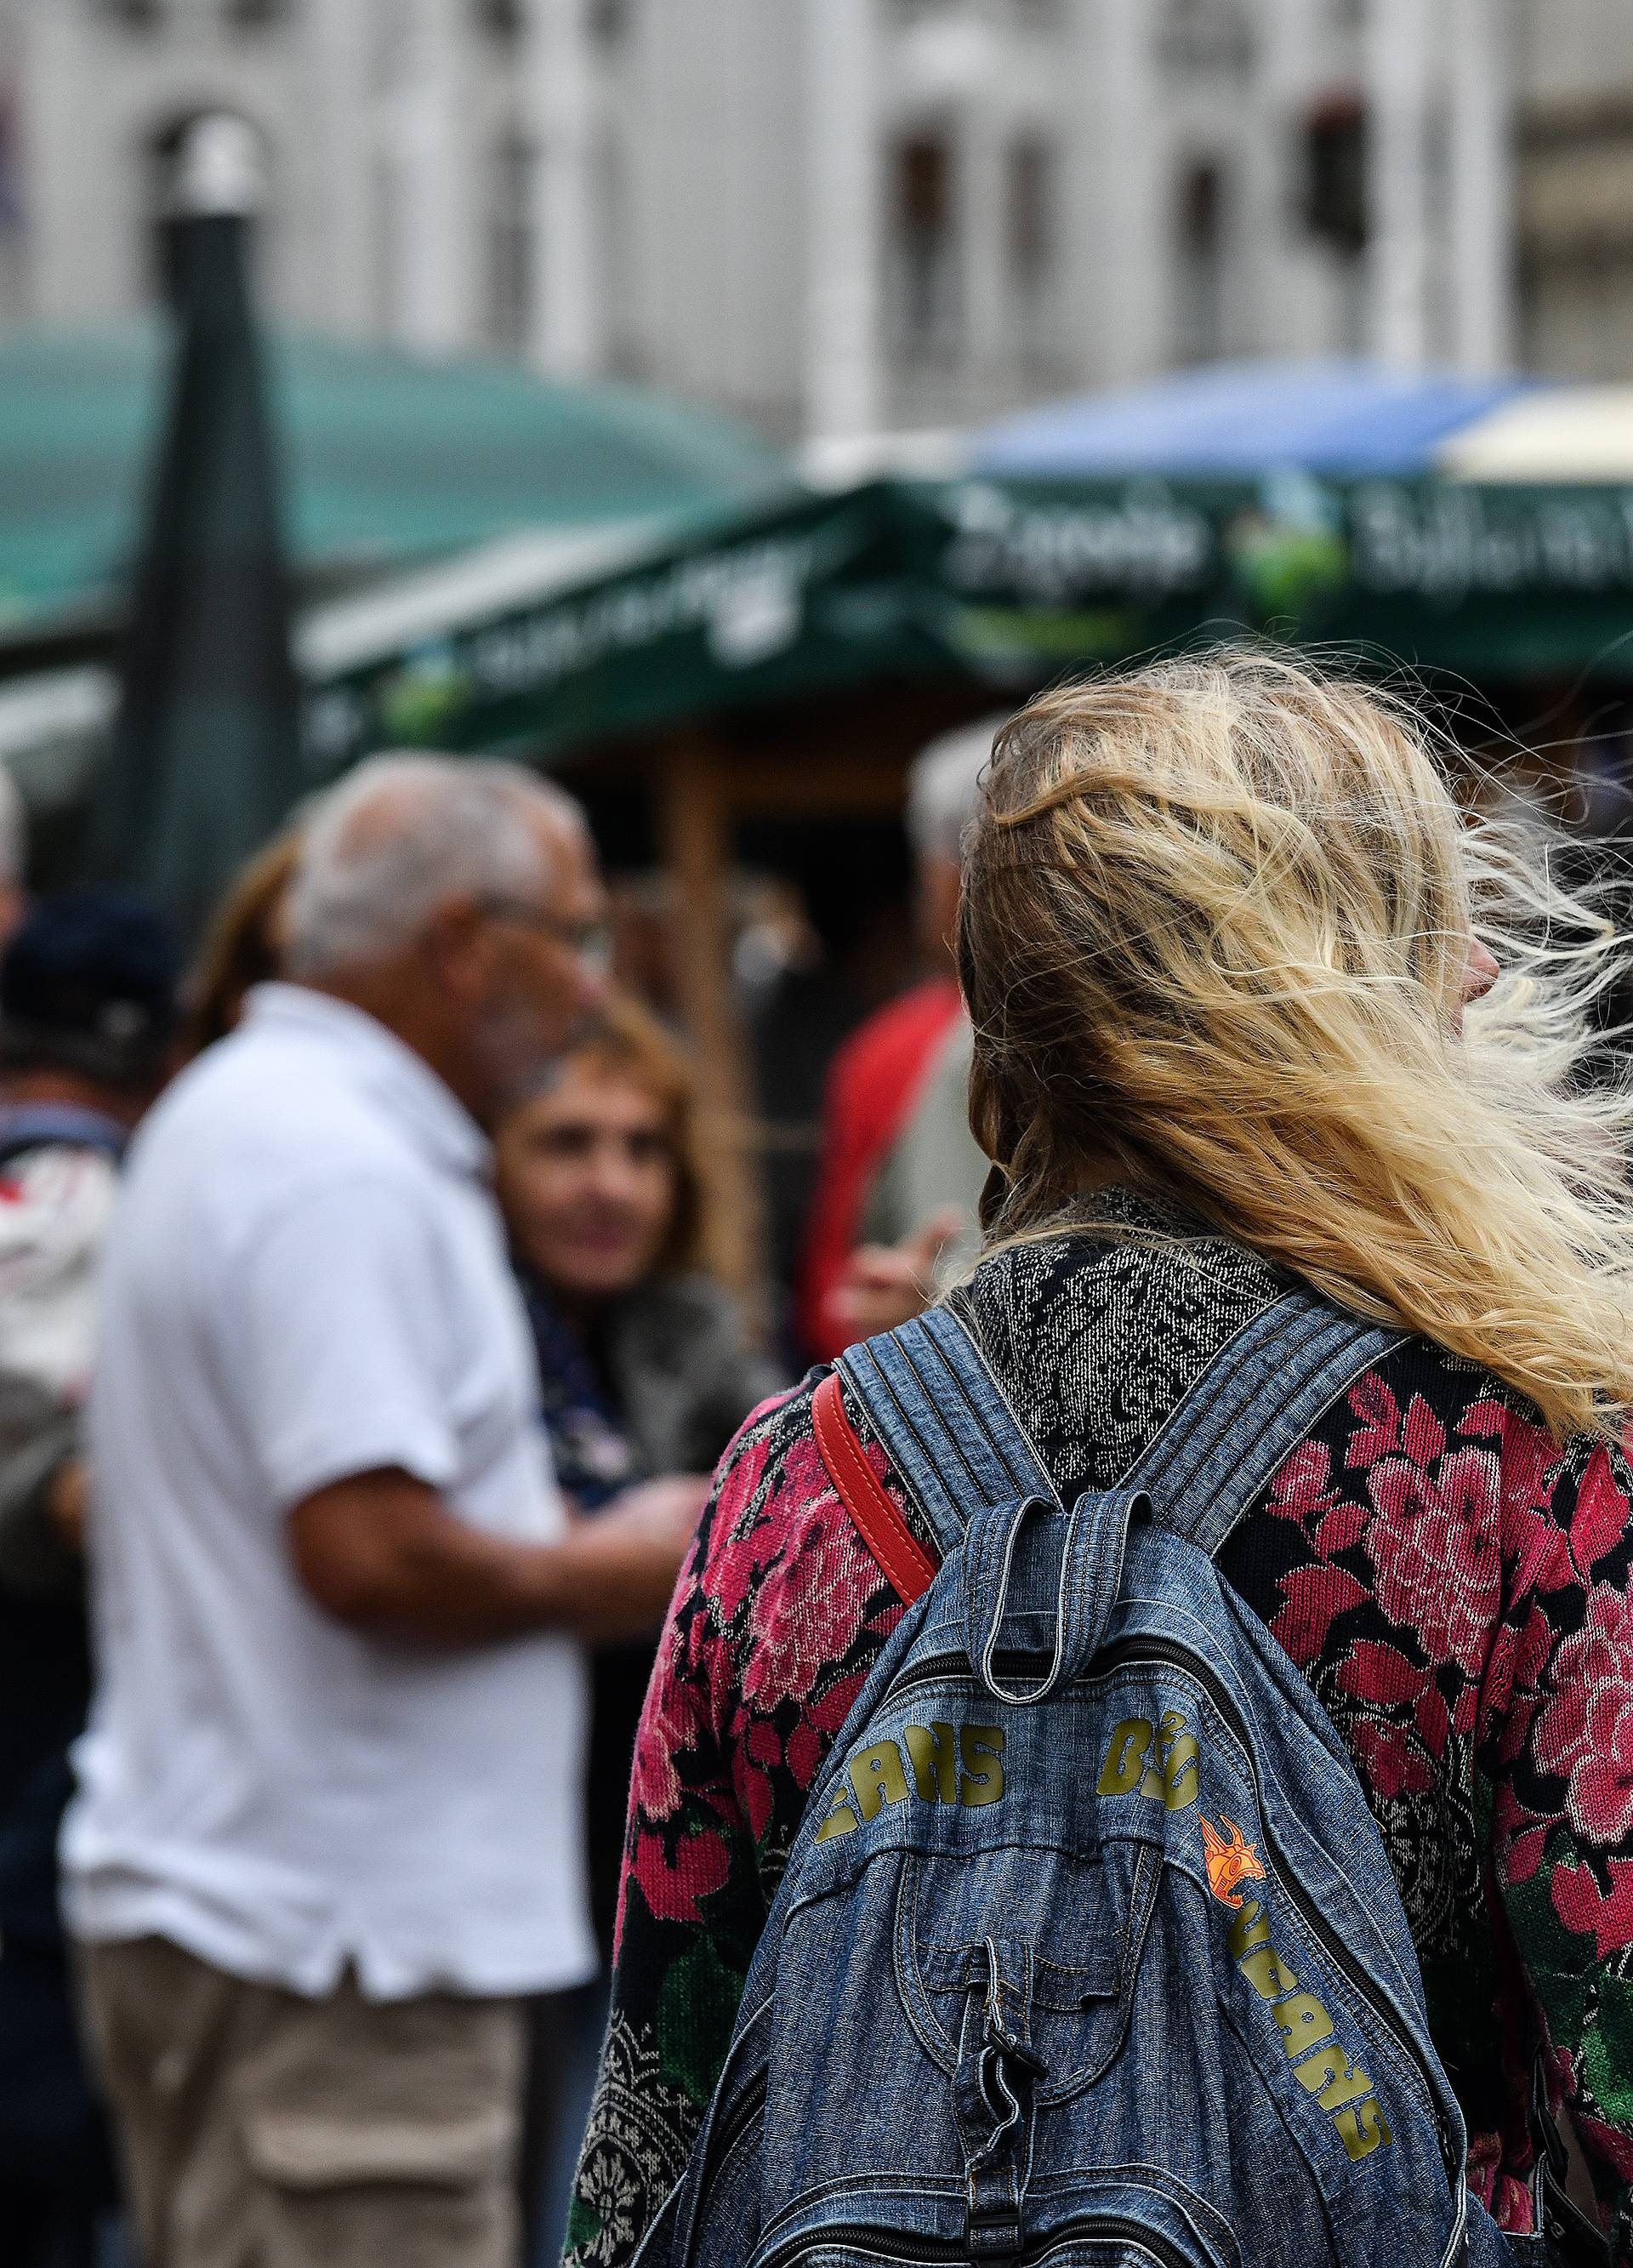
(306, 1280)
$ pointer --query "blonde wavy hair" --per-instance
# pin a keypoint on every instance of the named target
(1215, 936)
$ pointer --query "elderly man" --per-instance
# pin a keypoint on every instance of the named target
(327, 1834)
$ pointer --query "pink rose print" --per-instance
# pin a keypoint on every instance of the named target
(1582, 1906)
(1303, 1490)
(667, 1728)
(1422, 1438)
(1434, 1547)
(744, 1543)
(1517, 1835)
(1315, 1596)
(1531, 1465)
(812, 1601)
(1600, 1520)
(1586, 1731)
(805, 1753)
(1512, 1688)
(1379, 1413)
(1389, 1761)
(758, 1759)
(674, 1886)
(1382, 1674)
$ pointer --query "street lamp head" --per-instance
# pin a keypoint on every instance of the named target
(220, 167)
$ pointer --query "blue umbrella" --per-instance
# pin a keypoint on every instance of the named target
(1237, 420)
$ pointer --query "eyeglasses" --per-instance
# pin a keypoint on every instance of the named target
(591, 943)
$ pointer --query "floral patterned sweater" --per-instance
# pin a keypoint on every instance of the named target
(1456, 1589)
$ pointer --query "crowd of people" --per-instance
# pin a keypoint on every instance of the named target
(352, 1428)
(428, 1603)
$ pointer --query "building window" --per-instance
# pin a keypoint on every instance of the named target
(1206, 35)
(511, 244)
(609, 20)
(1199, 270)
(1033, 239)
(626, 354)
(1333, 189)
(500, 20)
(927, 296)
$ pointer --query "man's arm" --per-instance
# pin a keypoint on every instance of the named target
(381, 1553)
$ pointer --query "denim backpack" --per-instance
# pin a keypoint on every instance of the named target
(1087, 1950)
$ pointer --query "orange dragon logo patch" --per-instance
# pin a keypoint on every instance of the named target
(1230, 1862)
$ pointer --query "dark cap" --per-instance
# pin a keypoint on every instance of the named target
(88, 983)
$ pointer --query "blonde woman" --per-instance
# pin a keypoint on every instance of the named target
(1228, 951)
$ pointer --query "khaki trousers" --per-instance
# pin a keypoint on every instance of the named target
(260, 2129)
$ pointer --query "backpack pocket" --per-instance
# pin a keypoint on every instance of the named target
(1028, 1951)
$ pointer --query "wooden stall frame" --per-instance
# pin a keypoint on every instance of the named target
(691, 789)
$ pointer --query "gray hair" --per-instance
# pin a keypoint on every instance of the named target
(401, 836)
(944, 789)
(13, 834)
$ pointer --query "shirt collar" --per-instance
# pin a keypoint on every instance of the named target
(425, 1108)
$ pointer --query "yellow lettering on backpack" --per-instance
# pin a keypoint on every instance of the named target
(1322, 2066)
(1124, 1766)
(1179, 1782)
(1303, 2020)
(950, 1763)
(982, 1783)
(1249, 1928)
(842, 1819)
(1264, 1972)
(1161, 1761)
(934, 1752)
(1331, 2077)
(877, 1778)
(1361, 2129)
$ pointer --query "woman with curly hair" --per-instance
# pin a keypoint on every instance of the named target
(1231, 954)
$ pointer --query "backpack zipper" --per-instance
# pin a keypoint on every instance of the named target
(749, 2107)
(900, 2244)
(1156, 1649)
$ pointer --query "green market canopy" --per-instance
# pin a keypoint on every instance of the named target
(1486, 531)
(389, 460)
(1005, 582)
(1479, 527)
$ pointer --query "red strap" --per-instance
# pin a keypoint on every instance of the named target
(907, 1565)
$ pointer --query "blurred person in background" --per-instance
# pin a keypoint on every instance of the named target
(645, 1373)
(87, 1001)
(843, 942)
(244, 944)
(329, 1835)
(13, 856)
(898, 1189)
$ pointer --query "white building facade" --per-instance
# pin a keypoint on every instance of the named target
(835, 216)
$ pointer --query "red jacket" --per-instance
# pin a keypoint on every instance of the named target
(872, 1085)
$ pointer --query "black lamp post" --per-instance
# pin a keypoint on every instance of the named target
(205, 759)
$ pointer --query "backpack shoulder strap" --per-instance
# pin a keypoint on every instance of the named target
(944, 1422)
(947, 1426)
(903, 1559)
(1252, 1406)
